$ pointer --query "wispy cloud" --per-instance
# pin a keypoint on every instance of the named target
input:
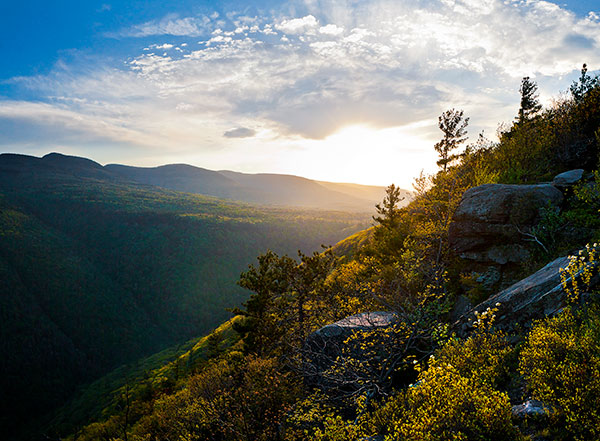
(171, 25)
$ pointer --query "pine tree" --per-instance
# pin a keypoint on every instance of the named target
(586, 83)
(530, 104)
(453, 124)
(388, 210)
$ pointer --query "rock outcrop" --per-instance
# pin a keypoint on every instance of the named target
(327, 342)
(491, 227)
(537, 296)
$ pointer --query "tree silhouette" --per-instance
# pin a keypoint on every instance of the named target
(530, 104)
(586, 83)
(453, 124)
(388, 210)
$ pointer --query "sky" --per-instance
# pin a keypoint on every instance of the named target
(337, 90)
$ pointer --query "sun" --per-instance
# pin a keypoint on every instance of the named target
(368, 155)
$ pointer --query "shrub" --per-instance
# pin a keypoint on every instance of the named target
(561, 363)
(455, 398)
(444, 405)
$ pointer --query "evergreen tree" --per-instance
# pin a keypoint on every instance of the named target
(586, 83)
(269, 281)
(453, 124)
(389, 213)
(530, 104)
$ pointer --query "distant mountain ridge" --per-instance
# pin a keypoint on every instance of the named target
(260, 188)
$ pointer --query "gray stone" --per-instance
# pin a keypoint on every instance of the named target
(491, 219)
(489, 278)
(348, 325)
(534, 297)
(568, 178)
(329, 345)
(531, 409)
(537, 296)
(490, 227)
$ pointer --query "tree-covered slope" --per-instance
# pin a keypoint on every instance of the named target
(97, 271)
(261, 188)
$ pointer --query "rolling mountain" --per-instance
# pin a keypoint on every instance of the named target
(98, 270)
(262, 188)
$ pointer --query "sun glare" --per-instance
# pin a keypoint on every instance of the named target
(367, 155)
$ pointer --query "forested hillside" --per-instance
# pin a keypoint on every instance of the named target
(385, 343)
(97, 271)
(260, 188)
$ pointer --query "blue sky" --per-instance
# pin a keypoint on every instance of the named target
(337, 90)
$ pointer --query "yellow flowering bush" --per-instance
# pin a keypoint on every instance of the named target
(561, 363)
(444, 405)
(577, 276)
(481, 356)
(455, 398)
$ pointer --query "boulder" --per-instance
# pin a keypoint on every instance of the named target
(491, 225)
(568, 178)
(537, 296)
(490, 216)
(326, 343)
(347, 326)
(329, 346)
(531, 409)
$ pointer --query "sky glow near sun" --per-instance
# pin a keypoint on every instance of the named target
(338, 90)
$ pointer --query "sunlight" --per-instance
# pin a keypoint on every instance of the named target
(368, 155)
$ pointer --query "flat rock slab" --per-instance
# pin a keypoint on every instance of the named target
(358, 322)
(568, 178)
(534, 297)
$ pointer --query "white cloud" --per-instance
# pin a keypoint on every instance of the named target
(331, 29)
(298, 25)
(161, 46)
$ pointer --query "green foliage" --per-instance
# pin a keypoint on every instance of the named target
(589, 193)
(388, 210)
(231, 400)
(288, 299)
(561, 363)
(560, 138)
(476, 162)
(576, 278)
(235, 398)
(481, 356)
(456, 397)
